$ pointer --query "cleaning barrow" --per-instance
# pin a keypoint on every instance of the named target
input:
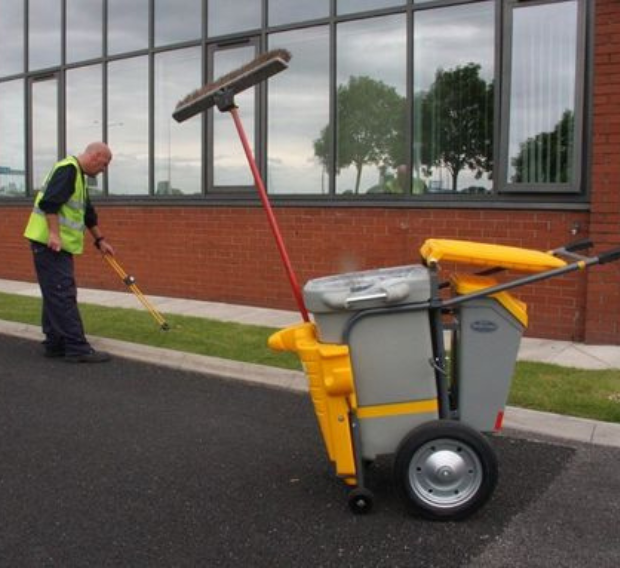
(382, 383)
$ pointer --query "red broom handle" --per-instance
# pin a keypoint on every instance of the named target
(271, 217)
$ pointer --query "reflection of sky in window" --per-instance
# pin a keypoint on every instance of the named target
(287, 12)
(128, 125)
(11, 37)
(44, 33)
(543, 69)
(225, 17)
(84, 29)
(12, 149)
(44, 128)
(350, 6)
(446, 38)
(298, 111)
(84, 107)
(178, 163)
(177, 20)
(127, 25)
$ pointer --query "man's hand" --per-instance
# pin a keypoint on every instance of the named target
(54, 242)
(106, 248)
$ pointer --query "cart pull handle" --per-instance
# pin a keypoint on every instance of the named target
(578, 245)
(351, 301)
(609, 256)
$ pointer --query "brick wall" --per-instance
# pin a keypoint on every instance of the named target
(603, 290)
(228, 254)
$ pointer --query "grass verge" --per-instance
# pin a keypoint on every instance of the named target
(538, 386)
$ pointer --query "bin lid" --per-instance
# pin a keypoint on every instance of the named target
(470, 283)
(483, 254)
(354, 291)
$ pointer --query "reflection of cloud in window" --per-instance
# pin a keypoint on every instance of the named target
(452, 37)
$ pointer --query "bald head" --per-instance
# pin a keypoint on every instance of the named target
(95, 158)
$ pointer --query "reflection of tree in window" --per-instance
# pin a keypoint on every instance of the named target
(547, 157)
(456, 115)
(371, 120)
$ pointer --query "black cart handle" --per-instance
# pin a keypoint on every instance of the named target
(579, 245)
(609, 256)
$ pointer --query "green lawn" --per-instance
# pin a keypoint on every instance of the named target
(538, 386)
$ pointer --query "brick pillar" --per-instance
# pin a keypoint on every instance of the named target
(603, 296)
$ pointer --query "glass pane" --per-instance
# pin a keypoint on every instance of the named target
(371, 106)
(44, 129)
(349, 6)
(84, 31)
(12, 145)
(230, 167)
(290, 11)
(128, 126)
(44, 33)
(453, 99)
(177, 20)
(298, 111)
(11, 37)
(542, 94)
(178, 155)
(225, 17)
(84, 112)
(128, 25)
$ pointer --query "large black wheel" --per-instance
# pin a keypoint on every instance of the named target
(445, 470)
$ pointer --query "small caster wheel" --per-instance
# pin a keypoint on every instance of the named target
(360, 501)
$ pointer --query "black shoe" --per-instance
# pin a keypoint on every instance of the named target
(92, 357)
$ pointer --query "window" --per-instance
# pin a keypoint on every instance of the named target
(177, 21)
(287, 12)
(453, 90)
(11, 37)
(349, 6)
(226, 17)
(44, 129)
(298, 111)
(178, 151)
(229, 164)
(84, 30)
(128, 126)
(371, 107)
(543, 97)
(84, 112)
(13, 147)
(128, 25)
(44, 38)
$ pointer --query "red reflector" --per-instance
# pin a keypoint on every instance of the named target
(499, 420)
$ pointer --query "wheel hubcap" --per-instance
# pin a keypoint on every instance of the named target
(445, 473)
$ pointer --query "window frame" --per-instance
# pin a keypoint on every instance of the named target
(576, 186)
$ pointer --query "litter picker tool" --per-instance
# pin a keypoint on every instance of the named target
(130, 282)
(221, 93)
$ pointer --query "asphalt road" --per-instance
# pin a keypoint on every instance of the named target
(127, 464)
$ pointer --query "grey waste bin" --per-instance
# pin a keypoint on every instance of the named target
(485, 348)
(391, 352)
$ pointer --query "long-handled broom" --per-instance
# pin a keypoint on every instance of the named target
(130, 282)
(221, 93)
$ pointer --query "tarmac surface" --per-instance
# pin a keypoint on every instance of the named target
(136, 464)
(162, 458)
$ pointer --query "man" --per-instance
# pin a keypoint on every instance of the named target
(61, 214)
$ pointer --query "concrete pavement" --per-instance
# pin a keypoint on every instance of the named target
(557, 352)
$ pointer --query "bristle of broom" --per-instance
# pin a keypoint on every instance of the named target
(254, 72)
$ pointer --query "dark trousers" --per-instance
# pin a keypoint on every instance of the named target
(61, 320)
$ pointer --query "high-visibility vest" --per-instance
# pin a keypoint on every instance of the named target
(70, 215)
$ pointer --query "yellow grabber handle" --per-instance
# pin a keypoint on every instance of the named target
(130, 282)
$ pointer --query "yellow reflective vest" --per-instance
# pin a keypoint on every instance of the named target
(70, 215)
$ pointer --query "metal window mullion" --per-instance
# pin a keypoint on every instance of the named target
(333, 100)
(150, 81)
